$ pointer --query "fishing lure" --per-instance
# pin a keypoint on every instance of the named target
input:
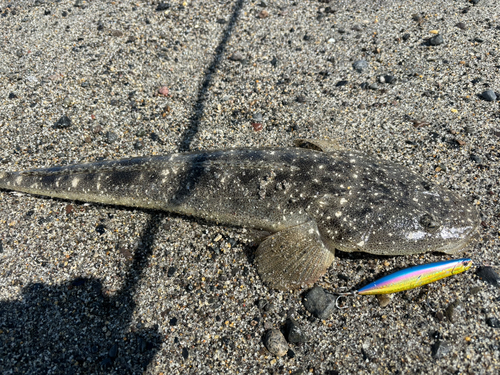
(413, 277)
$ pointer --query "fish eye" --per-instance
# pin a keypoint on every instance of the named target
(429, 223)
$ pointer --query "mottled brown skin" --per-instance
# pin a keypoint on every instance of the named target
(312, 201)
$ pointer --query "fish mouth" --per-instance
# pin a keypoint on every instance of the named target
(468, 237)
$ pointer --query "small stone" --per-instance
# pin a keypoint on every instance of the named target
(475, 2)
(171, 271)
(389, 79)
(12, 96)
(489, 95)
(294, 333)
(275, 342)
(63, 123)
(263, 14)
(236, 57)
(461, 25)
(185, 353)
(373, 86)
(257, 126)
(441, 349)
(360, 65)
(436, 40)
(488, 274)
(257, 117)
(113, 351)
(331, 40)
(406, 36)
(493, 322)
(110, 137)
(476, 158)
(341, 83)
(162, 6)
(301, 99)
(319, 303)
(384, 299)
(453, 311)
(163, 90)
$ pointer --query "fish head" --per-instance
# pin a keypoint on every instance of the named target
(393, 211)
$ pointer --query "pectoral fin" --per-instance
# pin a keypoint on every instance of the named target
(293, 258)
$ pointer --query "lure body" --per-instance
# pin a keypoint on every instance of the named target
(414, 277)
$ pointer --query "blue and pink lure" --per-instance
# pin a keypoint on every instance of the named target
(414, 277)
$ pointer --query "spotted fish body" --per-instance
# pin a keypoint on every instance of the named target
(415, 277)
(312, 201)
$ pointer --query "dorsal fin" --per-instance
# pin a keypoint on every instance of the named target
(318, 144)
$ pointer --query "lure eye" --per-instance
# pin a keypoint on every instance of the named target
(429, 223)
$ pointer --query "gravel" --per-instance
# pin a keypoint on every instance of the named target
(89, 288)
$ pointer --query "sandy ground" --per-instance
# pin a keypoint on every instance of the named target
(97, 289)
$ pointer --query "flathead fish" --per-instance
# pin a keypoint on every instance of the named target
(311, 200)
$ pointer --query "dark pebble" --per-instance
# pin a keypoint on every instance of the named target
(294, 333)
(489, 95)
(171, 271)
(111, 137)
(319, 303)
(441, 349)
(162, 6)
(477, 159)
(341, 83)
(488, 274)
(461, 25)
(275, 342)
(406, 37)
(474, 1)
(301, 99)
(493, 322)
(100, 229)
(390, 79)
(63, 123)
(436, 40)
(12, 96)
(185, 353)
(360, 65)
(173, 322)
(290, 353)
(113, 351)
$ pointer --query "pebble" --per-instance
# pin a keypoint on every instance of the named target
(493, 322)
(489, 95)
(373, 86)
(476, 158)
(63, 123)
(461, 25)
(110, 137)
(319, 303)
(294, 333)
(275, 342)
(263, 14)
(454, 311)
(441, 349)
(236, 56)
(488, 274)
(384, 299)
(436, 40)
(360, 65)
(257, 117)
(163, 90)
